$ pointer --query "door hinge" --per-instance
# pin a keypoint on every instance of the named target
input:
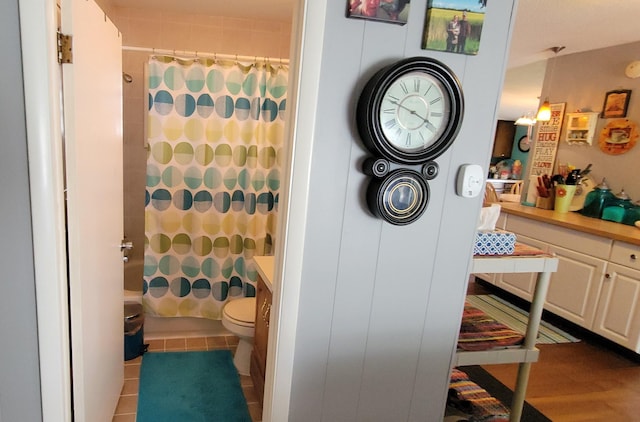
(65, 48)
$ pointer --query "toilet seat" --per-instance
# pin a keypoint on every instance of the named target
(241, 312)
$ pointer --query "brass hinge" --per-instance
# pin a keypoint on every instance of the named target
(65, 48)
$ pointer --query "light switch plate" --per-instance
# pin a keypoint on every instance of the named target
(470, 180)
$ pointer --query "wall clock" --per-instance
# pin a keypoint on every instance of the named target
(410, 112)
(524, 144)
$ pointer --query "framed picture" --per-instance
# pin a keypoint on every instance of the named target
(389, 11)
(616, 104)
(454, 25)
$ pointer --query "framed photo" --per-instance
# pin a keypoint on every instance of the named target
(454, 25)
(616, 104)
(389, 11)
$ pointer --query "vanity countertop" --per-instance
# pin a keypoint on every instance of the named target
(265, 265)
(576, 221)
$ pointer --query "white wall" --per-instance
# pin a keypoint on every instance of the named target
(379, 305)
(19, 376)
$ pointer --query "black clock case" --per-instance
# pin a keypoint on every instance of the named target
(367, 112)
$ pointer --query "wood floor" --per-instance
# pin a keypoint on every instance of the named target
(587, 381)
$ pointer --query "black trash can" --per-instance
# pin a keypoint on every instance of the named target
(133, 330)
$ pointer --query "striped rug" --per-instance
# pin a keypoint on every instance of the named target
(516, 319)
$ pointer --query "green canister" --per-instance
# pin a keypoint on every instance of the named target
(595, 200)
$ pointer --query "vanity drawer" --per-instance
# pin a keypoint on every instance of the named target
(625, 254)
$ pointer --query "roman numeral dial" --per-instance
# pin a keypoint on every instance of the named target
(414, 111)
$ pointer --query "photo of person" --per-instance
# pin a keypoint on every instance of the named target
(454, 26)
(392, 11)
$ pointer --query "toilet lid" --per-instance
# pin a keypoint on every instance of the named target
(242, 309)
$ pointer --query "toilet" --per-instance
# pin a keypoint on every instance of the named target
(239, 316)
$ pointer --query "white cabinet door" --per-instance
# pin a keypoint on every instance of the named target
(575, 286)
(521, 284)
(618, 314)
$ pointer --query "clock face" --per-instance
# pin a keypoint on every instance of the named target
(414, 112)
(524, 144)
(410, 112)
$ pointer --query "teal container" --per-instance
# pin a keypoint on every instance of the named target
(632, 214)
(594, 202)
(616, 208)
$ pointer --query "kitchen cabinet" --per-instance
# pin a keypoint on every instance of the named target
(618, 314)
(503, 140)
(521, 284)
(573, 293)
(581, 128)
(261, 337)
(597, 284)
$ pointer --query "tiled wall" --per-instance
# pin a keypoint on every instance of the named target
(180, 32)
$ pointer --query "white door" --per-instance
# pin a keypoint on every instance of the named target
(92, 91)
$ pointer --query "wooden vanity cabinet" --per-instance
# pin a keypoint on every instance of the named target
(261, 337)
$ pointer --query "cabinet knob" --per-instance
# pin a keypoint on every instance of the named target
(607, 276)
(633, 257)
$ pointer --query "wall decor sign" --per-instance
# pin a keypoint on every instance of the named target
(454, 25)
(389, 11)
(408, 113)
(546, 142)
(618, 137)
(616, 104)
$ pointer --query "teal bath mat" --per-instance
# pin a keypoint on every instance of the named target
(190, 387)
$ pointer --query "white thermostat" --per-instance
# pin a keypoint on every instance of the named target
(470, 180)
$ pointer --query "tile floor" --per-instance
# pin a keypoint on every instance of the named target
(128, 403)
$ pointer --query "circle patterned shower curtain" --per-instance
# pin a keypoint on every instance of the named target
(215, 140)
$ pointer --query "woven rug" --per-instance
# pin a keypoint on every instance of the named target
(516, 319)
(190, 387)
(499, 391)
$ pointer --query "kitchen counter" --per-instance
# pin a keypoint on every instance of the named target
(575, 221)
(265, 266)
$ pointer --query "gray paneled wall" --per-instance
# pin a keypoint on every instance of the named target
(19, 367)
(380, 305)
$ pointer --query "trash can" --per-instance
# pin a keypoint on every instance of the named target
(133, 330)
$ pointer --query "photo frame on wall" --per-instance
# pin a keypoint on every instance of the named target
(454, 25)
(388, 11)
(616, 104)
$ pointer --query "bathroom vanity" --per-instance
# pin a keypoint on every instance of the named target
(264, 265)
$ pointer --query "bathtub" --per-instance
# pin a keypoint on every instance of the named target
(178, 327)
(156, 327)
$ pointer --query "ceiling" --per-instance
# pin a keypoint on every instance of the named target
(579, 25)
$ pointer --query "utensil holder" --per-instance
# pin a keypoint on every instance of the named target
(564, 196)
(546, 203)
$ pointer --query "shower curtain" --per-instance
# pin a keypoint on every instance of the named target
(215, 139)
